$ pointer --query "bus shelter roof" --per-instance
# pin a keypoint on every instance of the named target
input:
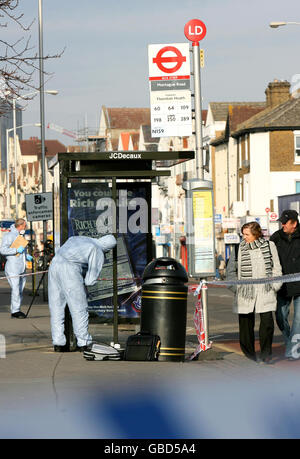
(160, 159)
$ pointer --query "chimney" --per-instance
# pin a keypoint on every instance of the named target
(277, 92)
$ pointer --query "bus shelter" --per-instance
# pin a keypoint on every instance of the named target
(110, 192)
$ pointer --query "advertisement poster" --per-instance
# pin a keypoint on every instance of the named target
(203, 231)
(92, 212)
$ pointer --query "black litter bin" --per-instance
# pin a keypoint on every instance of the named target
(164, 306)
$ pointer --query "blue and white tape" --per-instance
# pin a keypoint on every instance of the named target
(264, 280)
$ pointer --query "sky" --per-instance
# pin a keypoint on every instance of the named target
(105, 58)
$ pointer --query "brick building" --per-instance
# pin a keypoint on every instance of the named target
(257, 158)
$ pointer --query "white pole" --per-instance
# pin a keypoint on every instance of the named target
(7, 177)
(42, 110)
(198, 110)
(191, 32)
(199, 156)
(205, 313)
(15, 158)
(42, 117)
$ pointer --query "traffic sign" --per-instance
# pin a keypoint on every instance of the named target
(273, 216)
(267, 209)
(163, 57)
(169, 62)
(231, 238)
(218, 218)
(195, 30)
(39, 206)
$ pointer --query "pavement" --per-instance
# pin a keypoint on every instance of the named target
(44, 394)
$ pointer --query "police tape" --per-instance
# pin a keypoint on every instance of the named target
(263, 280)
(23, 275)
(199, 328)
(107, 279)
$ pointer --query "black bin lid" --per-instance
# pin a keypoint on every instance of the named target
(165, 267)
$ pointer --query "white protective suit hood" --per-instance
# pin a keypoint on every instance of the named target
(107, 242)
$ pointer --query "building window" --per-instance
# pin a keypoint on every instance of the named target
(297, 186)
(246, 147)
(297, 148)
(239, 149)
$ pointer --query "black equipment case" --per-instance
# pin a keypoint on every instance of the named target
(142, 346)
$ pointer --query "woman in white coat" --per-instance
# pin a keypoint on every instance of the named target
(257, 258)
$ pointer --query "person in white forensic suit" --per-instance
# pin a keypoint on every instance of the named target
(15, 266)
(76, 265)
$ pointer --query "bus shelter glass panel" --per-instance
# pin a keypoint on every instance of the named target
(92, 212)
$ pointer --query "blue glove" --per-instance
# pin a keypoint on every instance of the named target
(29, 258)
(20, 249)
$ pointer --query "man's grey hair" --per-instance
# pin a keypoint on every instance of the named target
(19, 222)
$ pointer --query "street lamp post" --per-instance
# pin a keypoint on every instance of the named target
(15, 165)
(15, 158)
(42, 105)
(42, 118)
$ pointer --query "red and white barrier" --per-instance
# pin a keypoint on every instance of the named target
(199, 326)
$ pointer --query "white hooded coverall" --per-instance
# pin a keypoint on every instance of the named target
(67, 284)
(15, 266)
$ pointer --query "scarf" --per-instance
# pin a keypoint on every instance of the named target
(247, 291)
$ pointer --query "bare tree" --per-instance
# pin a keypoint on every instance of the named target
(18, 59)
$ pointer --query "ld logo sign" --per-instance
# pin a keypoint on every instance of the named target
(195, 30)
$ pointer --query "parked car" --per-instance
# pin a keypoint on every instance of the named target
(5, 225)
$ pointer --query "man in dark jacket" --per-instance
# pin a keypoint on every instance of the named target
(287, 241)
